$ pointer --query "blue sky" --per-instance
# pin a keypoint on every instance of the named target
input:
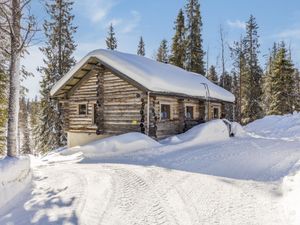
(154, 20)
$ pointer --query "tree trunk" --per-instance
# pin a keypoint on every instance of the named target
(14, 81)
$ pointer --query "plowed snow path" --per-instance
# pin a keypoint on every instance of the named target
(113, 194)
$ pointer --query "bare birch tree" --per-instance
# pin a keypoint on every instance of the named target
(20, 29)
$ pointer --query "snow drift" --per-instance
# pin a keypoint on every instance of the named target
(114, 146)
(211, 131)
(15, 176)
(286, 127)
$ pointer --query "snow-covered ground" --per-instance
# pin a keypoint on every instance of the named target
(200, 177)
(15, 176)
(285, 127)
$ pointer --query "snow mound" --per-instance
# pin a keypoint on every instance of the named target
(285, 127)
(238, 130)
(15, 176)
(291, 195)
(114, 146)
(215, 130)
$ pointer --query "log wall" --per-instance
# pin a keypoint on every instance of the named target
(178, 122)
(121, 109)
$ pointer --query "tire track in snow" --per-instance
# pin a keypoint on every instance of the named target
(134, 200)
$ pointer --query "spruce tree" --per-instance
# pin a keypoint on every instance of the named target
(239, 70)
(194, 45)
(111, 41)
(141, 47)
(25, 147)
(226, 81)
(236, 92)
(251, 89)
(212, 74)
(178, 51)
(162, 52)
(58, 53)
(34, 122)
(296, 106)
(267, 79)
(281, 83)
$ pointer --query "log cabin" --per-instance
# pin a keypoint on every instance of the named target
(110, 92)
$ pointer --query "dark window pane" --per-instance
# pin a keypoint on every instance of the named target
(190, 112)
(82, 109)
(165, 111)
(216, 113)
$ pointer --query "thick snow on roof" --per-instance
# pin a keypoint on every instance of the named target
(153, 75)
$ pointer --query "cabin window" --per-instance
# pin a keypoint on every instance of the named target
(165, 112)
(216, 113)
(82, 109)
(189, 112)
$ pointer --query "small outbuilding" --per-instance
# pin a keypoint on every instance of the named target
(109, 93)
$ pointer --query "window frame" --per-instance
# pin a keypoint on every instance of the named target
(86, 109)
(160, 111)
(213, 112)
(193, 112)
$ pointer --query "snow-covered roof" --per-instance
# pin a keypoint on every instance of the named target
(152, 75)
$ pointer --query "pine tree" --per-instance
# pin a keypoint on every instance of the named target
(58, 52)
(194, 48)
(178, 52)
(251, 89)
(24, 127)
(212, 74)
(141, 47)
(111, 41)
(296, 106)
(267, 80)
(236, 92)
(239, 70)
(162, 52)
(281, 83)
(226, 81)
(34, 115)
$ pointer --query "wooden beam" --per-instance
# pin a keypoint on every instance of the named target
(85, 77)
(93, 64)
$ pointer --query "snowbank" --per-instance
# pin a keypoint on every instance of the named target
(238, 130)
(211, 131)
(15, 176)
(113, 146)
(286, 127)
(291, 195)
